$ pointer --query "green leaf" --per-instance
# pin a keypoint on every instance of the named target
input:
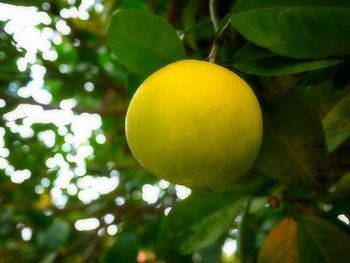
(54, 236)
(281, 244)
(334, 109)
(24, 2)
(255, 60)
(124, 249)
(67, 53)
(49, 258)
(189, 23)
(321, 241)
(293, 149)
(299, 29)
(202, 218)
(337, 123)
(143, 42)
(199, 220)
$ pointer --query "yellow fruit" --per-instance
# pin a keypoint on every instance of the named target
(194, 123)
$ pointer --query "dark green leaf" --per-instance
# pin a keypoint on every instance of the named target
(131, 4)
(133, 81)
(55, 235)
(341, 77)
(293, 149)
(321, 241)
(211, 253)
(333, 107)
(299, 29)
(124, 249)
(252, 59)
(271, 87)
(143, 42)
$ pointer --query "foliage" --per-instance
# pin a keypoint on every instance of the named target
(64, 157)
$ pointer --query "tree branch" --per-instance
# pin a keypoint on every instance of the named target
(118, 110)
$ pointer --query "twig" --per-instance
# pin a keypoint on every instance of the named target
(90, 249)
(213, 16)
(215, 22)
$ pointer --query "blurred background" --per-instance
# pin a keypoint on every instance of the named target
(68, 183)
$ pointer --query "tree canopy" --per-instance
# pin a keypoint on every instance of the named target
(70, 189)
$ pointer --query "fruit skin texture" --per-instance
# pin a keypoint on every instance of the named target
(194, 123)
